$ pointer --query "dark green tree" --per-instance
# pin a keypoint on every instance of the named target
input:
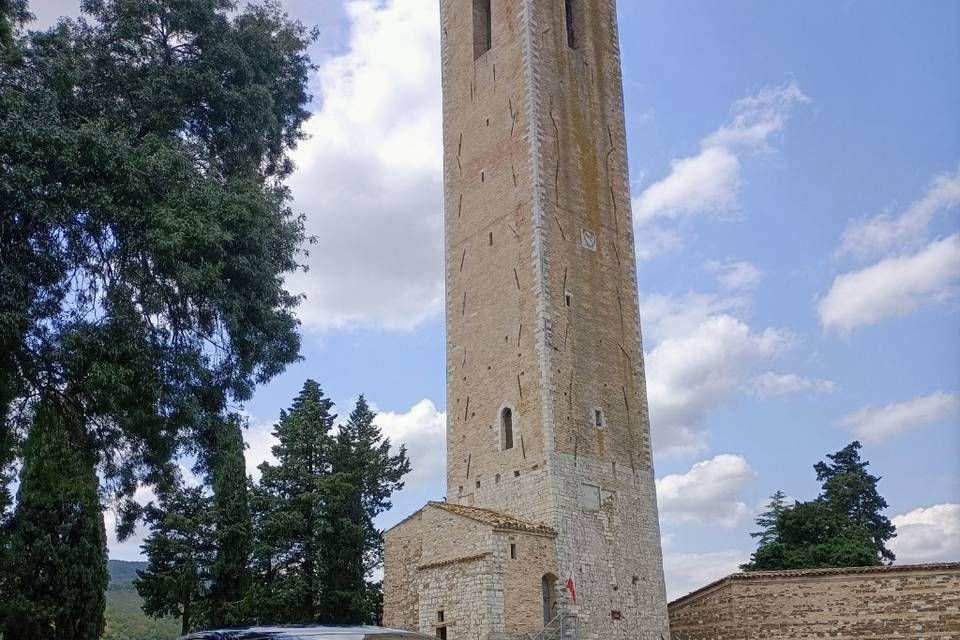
(56, 572)
(842, 527)
(850, 492)
(145, 229)
(290, 504)
(12, 13)
(768, 520)
(364, 476)
(230, 577)
(180, 551)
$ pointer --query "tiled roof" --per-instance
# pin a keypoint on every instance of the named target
(495, 519)
(806, 573)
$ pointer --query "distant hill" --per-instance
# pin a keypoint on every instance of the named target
(125, 619)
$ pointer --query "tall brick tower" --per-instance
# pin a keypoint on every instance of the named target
(549, 472)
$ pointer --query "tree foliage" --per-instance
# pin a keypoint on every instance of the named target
(842, 527)
(144, 224)
(230, 577)
(314, 511)
(180, 550)
(769, 519)
(145, 230)
(363, 476)
(55, 574)
(292, 495)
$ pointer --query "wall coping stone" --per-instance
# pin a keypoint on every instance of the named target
(807, 573)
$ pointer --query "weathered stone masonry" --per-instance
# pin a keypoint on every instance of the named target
(920, 602)
(546, 399)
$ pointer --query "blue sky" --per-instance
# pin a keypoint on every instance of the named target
(796, 180)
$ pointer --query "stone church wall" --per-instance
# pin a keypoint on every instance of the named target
(484, 580)
(920, 602)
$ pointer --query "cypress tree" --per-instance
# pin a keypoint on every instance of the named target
(58, 543)
(364, 476)
(291, 502)
(230, 577)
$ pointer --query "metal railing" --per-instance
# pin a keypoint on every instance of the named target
(564, 626)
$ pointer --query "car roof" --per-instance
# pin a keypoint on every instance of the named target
(318, 632)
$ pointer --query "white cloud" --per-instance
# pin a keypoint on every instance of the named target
(709, 182)
(423, 429)
(708, 494)
(930, 534)
(876, 424)
(676, 316)
(652, 241)
(686, 572)
(771, 384)
(881, 234)
(757, 117)
(692, 371)
(370, 177)
(735, 275)
(892, 287)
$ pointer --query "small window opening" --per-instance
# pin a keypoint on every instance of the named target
(491, 240)
(516, 474)
(482, 27)
(573, 14)
(568, 297)
(598, 418)
(478, 484)
(441, 625)
(513, 551)
(496, 479)
(506, 426)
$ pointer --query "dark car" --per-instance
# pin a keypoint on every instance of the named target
(307, 633)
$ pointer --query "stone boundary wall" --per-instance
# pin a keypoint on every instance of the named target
(919, 602)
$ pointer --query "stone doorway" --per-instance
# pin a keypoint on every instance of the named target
(549, 588)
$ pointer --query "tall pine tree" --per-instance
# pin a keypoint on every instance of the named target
(56, 573)
(180, 551)
(290, 504)
(364, 476)
(850, 493)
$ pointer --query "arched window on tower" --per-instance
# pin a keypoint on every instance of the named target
(506, 428)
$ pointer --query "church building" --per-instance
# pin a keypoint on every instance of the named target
(549, 528)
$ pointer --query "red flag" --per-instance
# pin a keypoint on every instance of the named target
(571, 590)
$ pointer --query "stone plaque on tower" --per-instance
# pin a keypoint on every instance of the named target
(551, 516)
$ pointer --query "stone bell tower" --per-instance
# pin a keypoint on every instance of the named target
(548, 433)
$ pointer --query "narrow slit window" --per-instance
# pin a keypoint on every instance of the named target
(506, 426)
(513, 551)
(573, 15)
(482, 27)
